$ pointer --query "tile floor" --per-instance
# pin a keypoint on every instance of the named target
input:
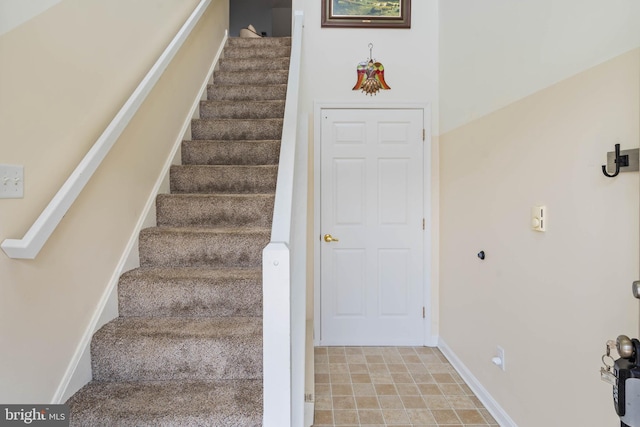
(392, 386)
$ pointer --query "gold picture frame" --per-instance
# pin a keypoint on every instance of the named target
(366, 13)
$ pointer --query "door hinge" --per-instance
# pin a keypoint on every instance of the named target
(424, 313)
(423, 223)
(424, 134)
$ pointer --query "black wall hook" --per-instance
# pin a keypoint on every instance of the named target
(620, 161)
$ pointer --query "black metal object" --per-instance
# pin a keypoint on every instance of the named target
(481, 255)
(620, 161)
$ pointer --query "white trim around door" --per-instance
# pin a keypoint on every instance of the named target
(429, 303)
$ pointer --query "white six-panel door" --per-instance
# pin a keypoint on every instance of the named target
(371, 196)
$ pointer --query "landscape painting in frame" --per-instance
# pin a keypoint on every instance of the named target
(366, 13)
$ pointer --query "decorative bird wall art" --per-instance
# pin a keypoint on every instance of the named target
(371, 76)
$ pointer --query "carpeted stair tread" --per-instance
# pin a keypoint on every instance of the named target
(250, 42)
(236, 129)
(249, 109)
(264, 51)
(190, 292)
(254, 77)
(255, 92)
(212, 152)
(242, 64)
(214, 210)
(168, 403)
(202, 247)
(238, 179)
(172, 348)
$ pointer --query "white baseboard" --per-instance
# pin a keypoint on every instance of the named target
(309, 408)
(78, 371)
(487, 400)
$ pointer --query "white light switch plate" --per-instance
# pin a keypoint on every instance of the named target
(11, 182)
(539, 218)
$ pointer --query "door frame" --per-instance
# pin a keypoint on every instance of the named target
(430, 298)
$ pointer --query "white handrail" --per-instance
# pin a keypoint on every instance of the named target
(30, 245)
(283, 265)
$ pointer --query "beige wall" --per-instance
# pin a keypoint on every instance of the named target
(63, 76)
(552, 299)
(494, 52)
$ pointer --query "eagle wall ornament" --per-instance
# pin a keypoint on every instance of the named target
(371, 76)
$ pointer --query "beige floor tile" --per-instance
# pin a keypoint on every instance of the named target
(390, 402)
(392, 386)
(321, 368)
(345, 417)
(341, 389)
(411, 358)
(363, 390)
(413, 402)
(381, 378)
(402, 377)
(467, 390)
(405, 389)
(452, 390)
(385, 389)
(323, 403)
(406, 350)
(470, 416)
(338, 368)
(360, 378)
(423, 378)
(417, 368)
(322, 378)
(461, 402)
(437, 402)
(358, 368)
(337, 358)
(378, 368)
(420, 416)
(323, 417)
(340, 378)
(443, 378)
(374, 358)
(322, 389)
(367, 402)
(395, 416)
(487, 416)
(356, 358)
(431, 390)
(397, 368)
(393, 358)
(370, 416)
(445, 416)
(343, 402)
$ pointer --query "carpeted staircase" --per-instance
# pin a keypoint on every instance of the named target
(187, 347)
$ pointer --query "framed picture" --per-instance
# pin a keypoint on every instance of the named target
(366, 13)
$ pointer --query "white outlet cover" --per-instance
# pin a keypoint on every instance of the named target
(11, 181)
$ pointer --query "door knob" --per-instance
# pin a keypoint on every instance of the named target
(329, 238)
(636, 289)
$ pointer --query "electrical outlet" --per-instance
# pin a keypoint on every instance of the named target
(498, 359)
(501, 356)
(11, 182)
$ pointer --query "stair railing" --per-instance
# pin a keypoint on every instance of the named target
(284, 264)
(30, 245)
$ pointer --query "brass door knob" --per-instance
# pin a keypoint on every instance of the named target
(329, 238)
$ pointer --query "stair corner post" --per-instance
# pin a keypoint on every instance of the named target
(276, 332)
